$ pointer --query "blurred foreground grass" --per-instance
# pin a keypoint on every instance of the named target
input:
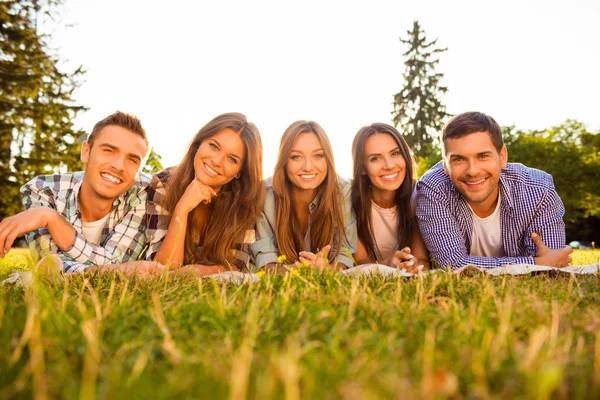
(308, 336)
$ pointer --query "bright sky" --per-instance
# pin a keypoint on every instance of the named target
(529, 63)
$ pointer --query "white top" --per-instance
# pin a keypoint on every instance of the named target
(385, 230)
(93, 230)
(486, 240)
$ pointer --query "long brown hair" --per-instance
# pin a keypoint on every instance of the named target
(329, 213)
(239, 202)
(361, 190)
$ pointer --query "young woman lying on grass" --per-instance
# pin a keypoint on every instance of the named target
(381, 199)
(307, 214)
(204, 210)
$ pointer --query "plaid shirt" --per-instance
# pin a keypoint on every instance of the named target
(158, 219)
(123, 235)
(529, 203)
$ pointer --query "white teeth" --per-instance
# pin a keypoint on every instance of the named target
(390, 177)
(210, 170)
(475, 183)
(308, 176)
(111, 178)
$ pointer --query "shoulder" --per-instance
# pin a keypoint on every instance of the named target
(269, 204)
(436, 179)
(345, 185)
(55, 183)
(519, 174)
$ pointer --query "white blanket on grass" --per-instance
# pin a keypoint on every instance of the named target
(383, 270)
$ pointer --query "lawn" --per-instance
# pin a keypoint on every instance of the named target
(301, 336)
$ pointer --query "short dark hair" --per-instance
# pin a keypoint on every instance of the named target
(470, 122)
(122, 119)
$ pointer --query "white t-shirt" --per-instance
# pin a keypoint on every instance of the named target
(92, 231)
(486, 239)
(385, 230)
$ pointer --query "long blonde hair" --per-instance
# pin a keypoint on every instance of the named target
(238, 204)
(329, 213)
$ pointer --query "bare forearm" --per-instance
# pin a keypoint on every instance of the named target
(171, 251)
(201, 270)
(60, 229)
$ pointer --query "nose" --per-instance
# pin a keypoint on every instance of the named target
(472, 168)
(217, 159)
(118, 163)
(307, 164)
(389, 164)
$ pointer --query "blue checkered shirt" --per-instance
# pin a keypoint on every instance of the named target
(123, 235)
(529, 203)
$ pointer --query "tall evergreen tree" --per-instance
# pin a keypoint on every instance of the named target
(37, 111)
(418, 109)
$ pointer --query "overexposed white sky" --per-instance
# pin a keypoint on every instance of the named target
(178, 64)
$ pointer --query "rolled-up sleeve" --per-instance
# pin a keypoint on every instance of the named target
(264, 249)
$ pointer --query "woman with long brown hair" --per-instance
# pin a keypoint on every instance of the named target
(206, 207)
(307, 215)
(381, 199)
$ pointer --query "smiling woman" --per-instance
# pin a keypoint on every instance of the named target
(202, 212)
(381, 199)
(307, 209)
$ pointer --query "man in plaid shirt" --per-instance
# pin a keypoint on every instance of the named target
(474, 208)
(92, 218)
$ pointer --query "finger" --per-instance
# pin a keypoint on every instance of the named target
(537, 240)
(568, 249)
(307, 255)
(406, 265)
(415, 270)
(406, 250)
(402, 255)
(325, 250)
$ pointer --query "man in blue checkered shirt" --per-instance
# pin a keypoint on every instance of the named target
(474, 208)
(92, 218)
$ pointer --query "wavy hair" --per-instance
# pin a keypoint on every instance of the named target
(238, 204)
(361, 190)
(329, 213)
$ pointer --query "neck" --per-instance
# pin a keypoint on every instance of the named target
(384, 199)
(487, 207)
(91, 206)
(302, 198)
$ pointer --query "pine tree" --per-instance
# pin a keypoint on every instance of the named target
(37, 111)
(418, 108)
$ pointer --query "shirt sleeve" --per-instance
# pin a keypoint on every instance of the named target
(157, 217)
(264, 249)
(547, 222)
(37, 195)
(442, 234)
(349, 239)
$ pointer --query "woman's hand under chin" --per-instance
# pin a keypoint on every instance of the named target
(195, 193)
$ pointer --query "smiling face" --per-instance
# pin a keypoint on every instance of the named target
(113, 163)
(473, 164)
(306, 166)
(219, 159)
(384, 165)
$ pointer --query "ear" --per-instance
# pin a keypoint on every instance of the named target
(504, 156)
(85, 152)
(445, 166)
(237, 176)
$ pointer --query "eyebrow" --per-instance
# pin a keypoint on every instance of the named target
(314, 151)
(378, 154)
(113, 147)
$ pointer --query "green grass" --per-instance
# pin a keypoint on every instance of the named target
(314, 336)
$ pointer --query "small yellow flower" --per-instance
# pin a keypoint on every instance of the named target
(260, 274)
(305, 263)
(281, 259)
(295, 272)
